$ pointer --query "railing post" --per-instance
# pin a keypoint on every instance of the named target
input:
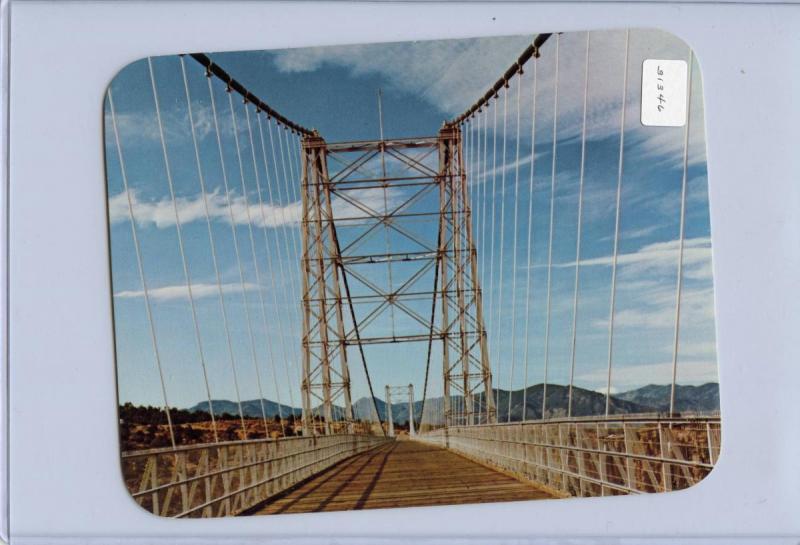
(629, 467)
(579, 454)
(710, 444)
(602, 457)
(666, 470)
(411, 430)
(389, 416)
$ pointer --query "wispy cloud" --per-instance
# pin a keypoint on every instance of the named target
(175, 292)
(452, 74)
(656, 258)
(661, 255)
(143, 125)
(161, 213)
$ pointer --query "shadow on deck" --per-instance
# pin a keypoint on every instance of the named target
(401, 473)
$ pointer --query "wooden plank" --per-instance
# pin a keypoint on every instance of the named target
(401, 474)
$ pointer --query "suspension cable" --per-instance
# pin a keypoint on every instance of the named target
(484, 199)
(255, 260)
(499, 325)
(579, 232)
(277, 253)
(514, 259)
(233, 233)
(491, 242)
(612, 305)
(186, 273)
(532, 51)
(140, 267)
(285, 230)
(530, 243)
(289, 239)
(550, 244)
(269, 268)
(480, 198)
(292, 196)
(679, 286)
(201, 180)
(232, 84)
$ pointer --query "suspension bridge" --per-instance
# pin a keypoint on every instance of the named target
(342, 251)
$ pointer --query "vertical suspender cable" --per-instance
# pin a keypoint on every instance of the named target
(477, 183)
(455, 172)
(255, 260)
(275, 288)
(483, 198)
(203, 191)
(579, 233)
(269, 268)
(550, 244)
(499, 327)
(233, 233)
(186, 274)
(479, 199)
(514, 259)
(491, 242)
(482, 231)
(292, 196)
(530, 243)
(679, 283)
(474, 209)
(286, 180)
(285, 230)
(289, 238)
(613, 302)
(140, 266)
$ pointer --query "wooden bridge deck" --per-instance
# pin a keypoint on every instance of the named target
(400, 474)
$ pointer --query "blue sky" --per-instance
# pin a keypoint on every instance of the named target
(334, 90)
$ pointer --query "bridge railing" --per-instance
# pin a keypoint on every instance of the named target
(593, 456)
(227, 478)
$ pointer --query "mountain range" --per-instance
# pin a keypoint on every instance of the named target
(653, 398)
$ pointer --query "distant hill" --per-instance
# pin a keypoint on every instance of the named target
(647, 399)
(584, 403)
(702, 398)
(250, 408)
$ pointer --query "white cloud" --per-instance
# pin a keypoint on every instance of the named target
(643, 271)
(646, 299)
(453, 74)
(171, 293)
(659, 256)
(161, 213)
(143, 124)
(450, 75)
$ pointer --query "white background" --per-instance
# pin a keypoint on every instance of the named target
(65, 479)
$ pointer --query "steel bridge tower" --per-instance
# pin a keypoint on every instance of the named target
(330, 321)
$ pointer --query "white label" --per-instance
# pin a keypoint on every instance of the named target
(664, 93)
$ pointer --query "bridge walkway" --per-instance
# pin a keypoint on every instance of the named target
(401, 473)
